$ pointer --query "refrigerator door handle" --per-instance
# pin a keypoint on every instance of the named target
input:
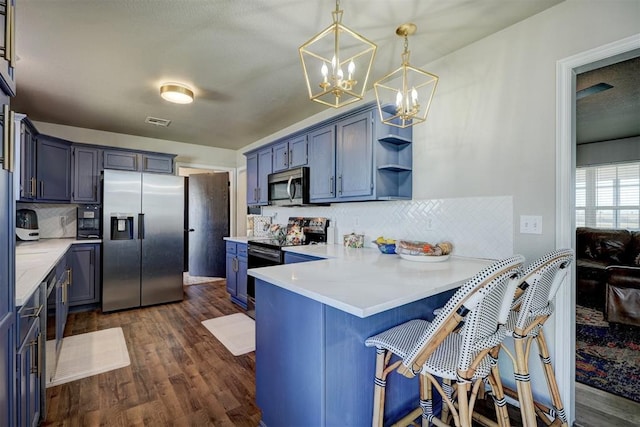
(141, 226)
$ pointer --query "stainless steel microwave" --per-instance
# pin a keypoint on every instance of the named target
(289, 188)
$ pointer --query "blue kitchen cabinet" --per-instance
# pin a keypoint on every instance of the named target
(293, 258)
(341, 164)
(30, 360)
(322, 164)
(61, 301)
(85, 176)
(7, 271)
(53, 169)
(354, 157)
(259, 166)
(236, 258)
(7, 47)
(84, 285)
(290, 153)
(138, 161)
(27, 175)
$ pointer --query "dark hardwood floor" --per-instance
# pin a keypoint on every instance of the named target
(180, 375)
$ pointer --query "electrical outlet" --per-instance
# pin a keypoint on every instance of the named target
(356, 221)
(63, 221)
(530, 224)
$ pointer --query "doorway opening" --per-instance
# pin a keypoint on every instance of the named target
(207, 221)
(567, 72)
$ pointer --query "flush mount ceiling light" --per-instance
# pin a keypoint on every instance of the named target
(336, 64)
(177, 93)
(404, 95)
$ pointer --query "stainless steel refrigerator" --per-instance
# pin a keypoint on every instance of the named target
(143, 239)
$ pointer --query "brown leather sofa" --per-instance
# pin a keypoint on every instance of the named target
(608, 273)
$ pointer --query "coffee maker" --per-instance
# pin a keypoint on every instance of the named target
(27, 225)
(89, 222)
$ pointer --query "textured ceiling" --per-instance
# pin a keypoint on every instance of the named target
(98, 64)
(613, 113)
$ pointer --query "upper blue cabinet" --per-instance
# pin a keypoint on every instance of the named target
(351, 157)
(53, 169)
(7, 46)
(359, 158)
(290, 153)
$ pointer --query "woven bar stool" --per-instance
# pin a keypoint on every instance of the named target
(454, 346)
(532, 307)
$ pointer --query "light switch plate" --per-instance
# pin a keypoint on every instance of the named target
(530, 224)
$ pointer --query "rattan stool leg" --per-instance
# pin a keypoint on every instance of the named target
(379, 388)
(523, 381)
(551, 379)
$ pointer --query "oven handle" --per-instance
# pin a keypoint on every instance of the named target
(264, 253)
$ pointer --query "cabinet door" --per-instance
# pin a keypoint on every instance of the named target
(252, 179)
(355, 156)
(298, 151)
(264, 169)
(157, 163)
(28, 396)
(53, 169)
(281, 156)
(232, 284)
(121, 160)
(322, 164)
(86, 175)
(241, 274)
(7, 284)
(83, 288)
(7, 47)
(28, 184)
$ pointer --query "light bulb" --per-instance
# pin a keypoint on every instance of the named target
(352, 68)
(325, 71)
(414, 96)
(399, 99)
(340, 74)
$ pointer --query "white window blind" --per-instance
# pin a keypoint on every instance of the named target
(608, 196)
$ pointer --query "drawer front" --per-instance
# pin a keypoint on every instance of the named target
(242, 250)
(27, 315)
(232, 247)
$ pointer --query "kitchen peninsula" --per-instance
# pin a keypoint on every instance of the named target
(312, 319)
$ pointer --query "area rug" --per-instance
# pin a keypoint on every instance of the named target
(87, 354)
(237, 332)
(188, 280)
(607, 357)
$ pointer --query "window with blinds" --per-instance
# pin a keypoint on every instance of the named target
(608, 196)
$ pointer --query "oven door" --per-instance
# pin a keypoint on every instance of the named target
(259, 256)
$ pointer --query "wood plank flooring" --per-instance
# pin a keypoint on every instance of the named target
(180, 375)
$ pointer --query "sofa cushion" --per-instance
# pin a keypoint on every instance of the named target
(634, 248)
(610, 246)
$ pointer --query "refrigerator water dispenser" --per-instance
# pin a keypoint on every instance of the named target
(121, 227)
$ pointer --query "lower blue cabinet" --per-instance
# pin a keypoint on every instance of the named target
(30, 358)
(84, 288)
(237, 272)
(292, 258)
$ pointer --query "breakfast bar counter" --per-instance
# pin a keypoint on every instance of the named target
(312, 318)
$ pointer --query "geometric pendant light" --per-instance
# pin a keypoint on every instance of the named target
(404, 95)
(336, 64)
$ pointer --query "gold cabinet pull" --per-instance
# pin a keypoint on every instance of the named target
(11, 142)
(5, 137)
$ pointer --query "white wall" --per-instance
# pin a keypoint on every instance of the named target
(186, 153)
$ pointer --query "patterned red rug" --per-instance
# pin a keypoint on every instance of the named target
(607, 356)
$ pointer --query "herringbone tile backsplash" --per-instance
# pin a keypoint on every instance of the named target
(55, 221)
(477, 226)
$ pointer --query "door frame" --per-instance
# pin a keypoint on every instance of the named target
(565, 204)
(232, 187)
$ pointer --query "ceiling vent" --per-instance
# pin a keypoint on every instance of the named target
(158, 122)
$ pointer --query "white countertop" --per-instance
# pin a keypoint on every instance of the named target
(34, 260)
(364, 282)
(238, 239)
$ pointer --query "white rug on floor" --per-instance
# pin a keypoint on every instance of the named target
(236, 331)
(88, 354)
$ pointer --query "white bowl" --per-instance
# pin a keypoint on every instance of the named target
(424, 258)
